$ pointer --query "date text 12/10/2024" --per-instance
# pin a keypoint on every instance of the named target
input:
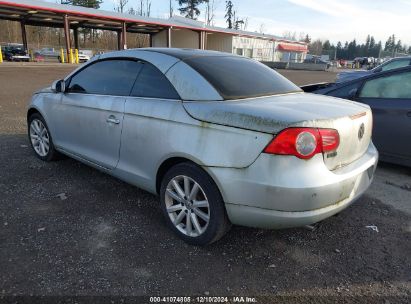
(203, 299)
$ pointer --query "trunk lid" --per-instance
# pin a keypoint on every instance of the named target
(274, 113)
(355, 137)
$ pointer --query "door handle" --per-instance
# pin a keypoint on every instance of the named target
(113, 119)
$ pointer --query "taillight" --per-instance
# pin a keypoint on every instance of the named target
(304, 142)
(330, 139)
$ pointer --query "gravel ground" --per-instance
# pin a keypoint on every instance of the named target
(69, 230)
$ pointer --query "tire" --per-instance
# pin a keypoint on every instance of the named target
(206, 203)
(40, 138)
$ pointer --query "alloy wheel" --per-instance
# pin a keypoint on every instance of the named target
(39, 137)
(187, 206)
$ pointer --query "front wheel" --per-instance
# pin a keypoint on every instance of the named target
(40, 138)
(192, 205)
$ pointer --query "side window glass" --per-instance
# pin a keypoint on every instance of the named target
(108, 77)
(344, 92)
(392, 86)
(151, 82)
(395, 65)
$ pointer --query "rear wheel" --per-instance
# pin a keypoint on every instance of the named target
(192, 205)
(40, 138)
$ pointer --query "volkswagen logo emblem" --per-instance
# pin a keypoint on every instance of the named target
(361, 131)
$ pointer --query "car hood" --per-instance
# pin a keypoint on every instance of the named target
(350, 75)
(274, 113)
(44, 90)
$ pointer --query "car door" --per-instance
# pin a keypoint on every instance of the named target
(389, 97)
(151, 112)
(92, 110)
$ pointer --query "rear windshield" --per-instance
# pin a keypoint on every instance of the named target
(239, 77)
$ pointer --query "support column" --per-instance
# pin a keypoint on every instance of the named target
(205, 40)
(151, 40)
(67, 37)
(274, 50)
(169, 37)
(123, 36)
(24, 34)
(75, 30)
(202, 36)
(119, 37)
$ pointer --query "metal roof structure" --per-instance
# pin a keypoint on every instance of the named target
(42, 13)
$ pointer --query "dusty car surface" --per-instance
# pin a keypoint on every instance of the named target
(222, 139)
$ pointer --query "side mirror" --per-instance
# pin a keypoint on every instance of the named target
(58, 86)
(352, 94)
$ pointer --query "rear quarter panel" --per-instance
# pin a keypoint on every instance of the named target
(155, 130)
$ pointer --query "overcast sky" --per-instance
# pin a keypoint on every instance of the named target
(325, 19)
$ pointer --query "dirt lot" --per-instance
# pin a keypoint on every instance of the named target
(69, 230)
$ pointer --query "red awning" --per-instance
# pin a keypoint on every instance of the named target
(292, 47)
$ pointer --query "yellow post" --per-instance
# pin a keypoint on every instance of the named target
(31, 55)
(1, 56)
(62, 55)
(76, 52)
(71, 56)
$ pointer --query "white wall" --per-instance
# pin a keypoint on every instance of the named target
(219, 42)
(257, 48)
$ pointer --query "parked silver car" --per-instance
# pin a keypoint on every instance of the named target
(221, 138)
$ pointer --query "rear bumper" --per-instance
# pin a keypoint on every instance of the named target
(273, 219)
(281, 192)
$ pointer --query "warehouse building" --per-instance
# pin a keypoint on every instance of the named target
(176, 32)
(261, 47)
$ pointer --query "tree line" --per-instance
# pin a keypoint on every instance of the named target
(352, 49)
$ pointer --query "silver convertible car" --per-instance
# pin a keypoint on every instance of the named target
(222, 139)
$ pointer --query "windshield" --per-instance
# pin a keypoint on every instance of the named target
(392, 64)
(14, 48)
(238, 77)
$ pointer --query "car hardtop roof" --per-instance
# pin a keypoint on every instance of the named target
(179, 54)
(184, 53)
